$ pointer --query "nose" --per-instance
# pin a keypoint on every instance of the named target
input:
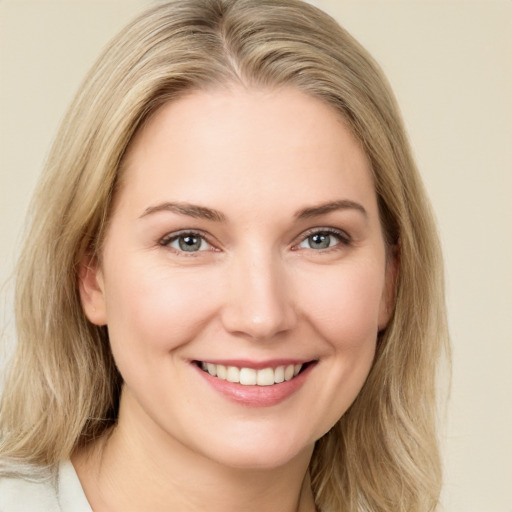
(258, 302)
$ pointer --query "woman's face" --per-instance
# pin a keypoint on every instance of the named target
(245, 240)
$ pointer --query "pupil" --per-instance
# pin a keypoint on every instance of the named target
(189, 243)
(319, 241)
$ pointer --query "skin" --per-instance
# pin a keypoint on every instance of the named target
(258, 289)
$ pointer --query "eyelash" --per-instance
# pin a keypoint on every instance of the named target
(343, 238)
(167, 240)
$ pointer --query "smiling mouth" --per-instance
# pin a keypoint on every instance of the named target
(250, 376)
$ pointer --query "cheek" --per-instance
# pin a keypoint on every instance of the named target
(156, 309)
(344, 304)
(344, 312)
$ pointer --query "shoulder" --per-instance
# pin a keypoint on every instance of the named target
(59, 491)
(21, 494)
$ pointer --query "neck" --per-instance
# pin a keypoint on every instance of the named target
(137, 468)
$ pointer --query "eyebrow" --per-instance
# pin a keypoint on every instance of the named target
(202, 212)
(191, 210)
(322, 209)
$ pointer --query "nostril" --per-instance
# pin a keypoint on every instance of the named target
(257, 302)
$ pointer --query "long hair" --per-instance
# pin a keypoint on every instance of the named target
(63, 387)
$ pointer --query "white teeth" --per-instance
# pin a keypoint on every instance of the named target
(233, 374)
(221, 371)
(250, 376)
(288, 372)
(265, 377)
(279, 374)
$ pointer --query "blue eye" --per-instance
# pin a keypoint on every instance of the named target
(188, 242)
(321, 240)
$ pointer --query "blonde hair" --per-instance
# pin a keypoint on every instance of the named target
(63, 386)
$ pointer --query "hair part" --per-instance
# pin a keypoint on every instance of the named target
(63, 386)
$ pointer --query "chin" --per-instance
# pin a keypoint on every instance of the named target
(264, 452)
(261, 460)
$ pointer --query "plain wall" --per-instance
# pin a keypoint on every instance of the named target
(450, 64)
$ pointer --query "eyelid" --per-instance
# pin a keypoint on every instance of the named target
(343, 236)
(167, 239)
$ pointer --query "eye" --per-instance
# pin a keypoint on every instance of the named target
(187, 242)
(324, 239)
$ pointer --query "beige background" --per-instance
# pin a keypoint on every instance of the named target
(450, 64)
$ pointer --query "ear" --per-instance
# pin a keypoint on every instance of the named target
(387, 304)
(92, 292)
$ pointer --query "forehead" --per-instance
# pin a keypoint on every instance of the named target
(249, 143)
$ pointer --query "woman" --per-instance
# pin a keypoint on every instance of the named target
(235, 300)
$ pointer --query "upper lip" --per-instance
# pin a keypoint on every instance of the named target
(256, 365)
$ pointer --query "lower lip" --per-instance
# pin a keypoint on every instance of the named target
(257, 396)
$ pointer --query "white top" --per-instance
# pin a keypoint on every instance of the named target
(63, 495)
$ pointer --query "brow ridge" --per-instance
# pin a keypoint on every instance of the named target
(322, 209)
(202, 212)
(191, 210)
